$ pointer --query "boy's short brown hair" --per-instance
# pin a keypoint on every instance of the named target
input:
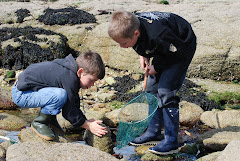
(92, 63)
(123, 24)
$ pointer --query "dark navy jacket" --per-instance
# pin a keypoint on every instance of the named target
(166, 37)
(61, 73)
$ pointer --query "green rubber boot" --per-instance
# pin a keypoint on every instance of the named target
(41, 128)
(54, 124)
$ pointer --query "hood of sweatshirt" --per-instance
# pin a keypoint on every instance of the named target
(68, 62)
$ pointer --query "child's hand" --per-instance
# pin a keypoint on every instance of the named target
(144, 62)
(94, 127)
(151, 70)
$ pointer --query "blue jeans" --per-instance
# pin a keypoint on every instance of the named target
(50, 99)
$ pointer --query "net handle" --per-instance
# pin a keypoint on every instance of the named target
(145, 79)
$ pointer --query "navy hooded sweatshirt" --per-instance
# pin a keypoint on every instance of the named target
(166, 37)
(61, 73)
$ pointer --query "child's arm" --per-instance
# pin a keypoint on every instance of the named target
(94, 127)
(144, 62)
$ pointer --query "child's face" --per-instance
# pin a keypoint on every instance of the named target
(128, 42)
(86, 80)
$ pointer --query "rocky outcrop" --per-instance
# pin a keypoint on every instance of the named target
(60, 151)
(217, 55)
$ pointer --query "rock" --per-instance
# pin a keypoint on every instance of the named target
(65, 124)
(218, 139)
(231, 152)
(134, 112)
(97, 115)
(109, 80)
(216, 86)
(3, 132)
(154, 157)
(221, 119)
(6, 102)
(137, 76)
(100, 107)
(39, 151)
(106, 97)
(111, 118)
(216, 44)
(189, 113)
(143, 149)
(2, 152)
(11, 122)
(64, 16)
(103, 143)
(24, 46)
(6, 144)
(21, 14)
(210, 157)
(28, 135)
(191, 148)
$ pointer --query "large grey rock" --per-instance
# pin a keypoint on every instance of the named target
(38, 151)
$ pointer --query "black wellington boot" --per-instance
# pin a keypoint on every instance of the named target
(171, 123)
(41, 128)
(152, 135)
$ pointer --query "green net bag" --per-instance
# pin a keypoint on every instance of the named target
(134, 118)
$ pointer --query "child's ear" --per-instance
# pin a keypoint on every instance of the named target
(79, 72)
(137, 33)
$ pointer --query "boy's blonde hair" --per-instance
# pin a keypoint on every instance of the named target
(92, 64)
(123, 24)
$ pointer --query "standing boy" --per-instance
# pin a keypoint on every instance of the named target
(171, 43)
(54, 86)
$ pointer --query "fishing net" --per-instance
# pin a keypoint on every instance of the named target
(134, 118)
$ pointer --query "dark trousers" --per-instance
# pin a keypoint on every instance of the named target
(165, 84)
